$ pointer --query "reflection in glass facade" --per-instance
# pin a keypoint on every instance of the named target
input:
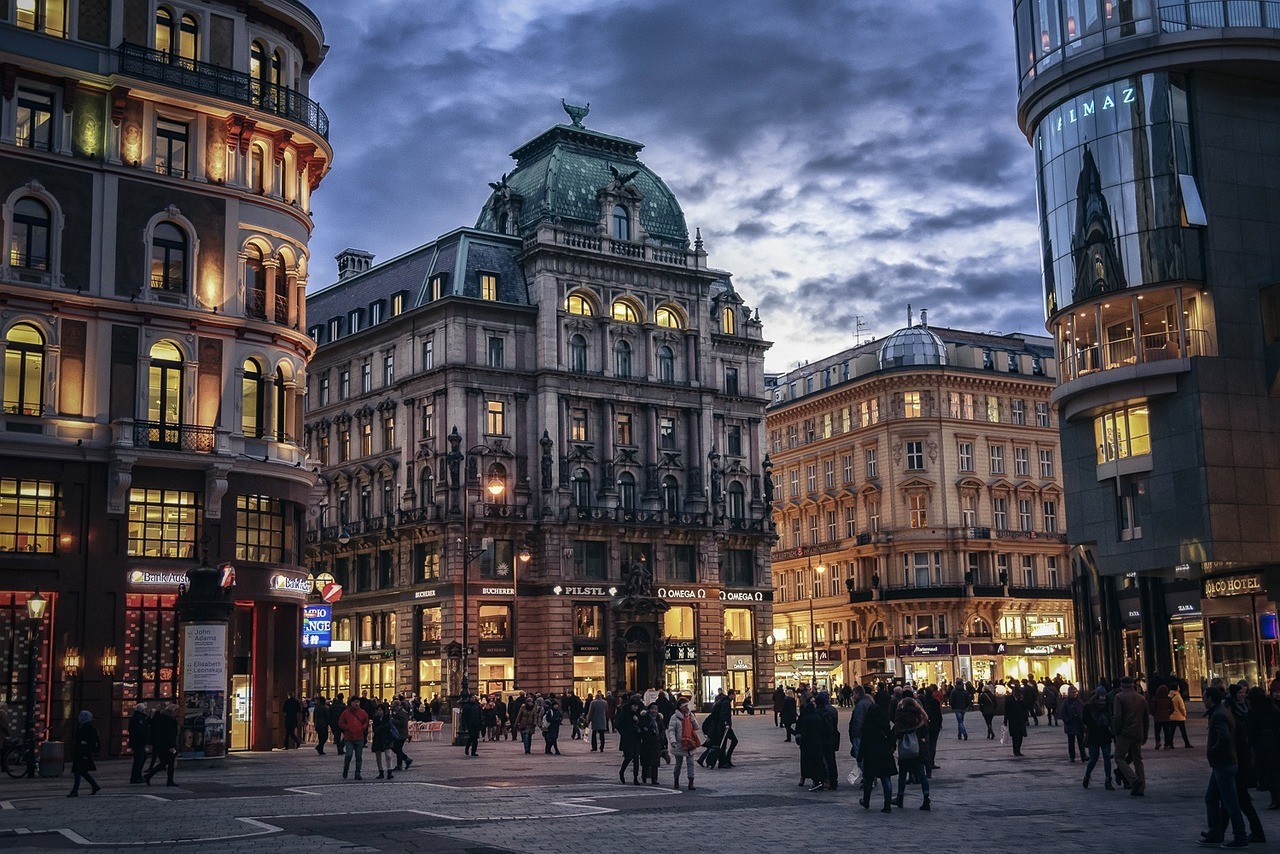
(1113, 164)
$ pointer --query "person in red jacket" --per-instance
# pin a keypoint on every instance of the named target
(354, 723)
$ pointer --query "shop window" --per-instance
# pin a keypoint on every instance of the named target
(588, 621)
(163, 523)
(678, 623)
(495, 622)
(29, 512)
(260, 529)
(24, 371)
(738, 624)
(150, 659)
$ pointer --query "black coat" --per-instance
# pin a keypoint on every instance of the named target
(875, 749)
(812, 731)
(788, 713)
(471, 716)
(139, 731)
(625, 720)
(1015, 716)
(86, 745)
(651, 739)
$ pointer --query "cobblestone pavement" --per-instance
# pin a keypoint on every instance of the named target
(505, 801)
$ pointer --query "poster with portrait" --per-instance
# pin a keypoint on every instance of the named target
(204, 691)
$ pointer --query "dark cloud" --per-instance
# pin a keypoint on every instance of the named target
(842, 158)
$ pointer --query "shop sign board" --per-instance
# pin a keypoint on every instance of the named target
(681, 652)
(679, 593)
(317, 626)
(571, 590)
(924, 650)
(1234, 585)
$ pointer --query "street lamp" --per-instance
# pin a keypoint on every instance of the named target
(813, 639)
(36, 605)
(495, 487)
(523, 557)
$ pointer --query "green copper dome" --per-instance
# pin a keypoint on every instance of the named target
(559, 173)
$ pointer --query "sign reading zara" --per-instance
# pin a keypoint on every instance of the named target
(317, 626)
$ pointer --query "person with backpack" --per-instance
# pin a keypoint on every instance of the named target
(911, 728)
(1097, 735)
(550, 723)
(682, 733)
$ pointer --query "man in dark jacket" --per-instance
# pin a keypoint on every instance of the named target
(789, 713)
(1129, 723)
(291, 711)
(320, 720)
(472, 721)
(164, 743)
(861, 703)
(933, 709)
(960, 700)
(139, 738)
(779, 696)
(1221, 793)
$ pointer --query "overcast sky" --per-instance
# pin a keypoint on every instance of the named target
(842, 157)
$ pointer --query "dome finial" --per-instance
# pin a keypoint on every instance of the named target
(909, 324)
(576, 113)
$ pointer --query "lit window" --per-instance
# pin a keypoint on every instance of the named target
(578, 425)
(1122, 434)
(668, 318)
(993, 409)
(488, 287)
(24, 371)
(43, 16)
(579, 305)
(259, 529)
(28, 515)
(911, 404)
(625, 312)
(495, 418)
(625, 436)
(918, 512)
(251, 397)
(728, 321)
(164, 394)
(29, 240)
(163, 523)
(34, 121)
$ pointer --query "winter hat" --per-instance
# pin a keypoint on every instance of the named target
(86, 716)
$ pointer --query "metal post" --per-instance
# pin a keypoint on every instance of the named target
(33, 638)
(466, 565)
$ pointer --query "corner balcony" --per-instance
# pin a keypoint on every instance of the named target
(215, 81)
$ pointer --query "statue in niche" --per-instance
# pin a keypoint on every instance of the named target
(767, 466)
(546, 443)
(639, 581)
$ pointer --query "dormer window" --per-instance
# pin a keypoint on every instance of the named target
(621, 223)
(488, 287)
(728, 321)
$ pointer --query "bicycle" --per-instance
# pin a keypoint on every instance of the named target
(20, 757)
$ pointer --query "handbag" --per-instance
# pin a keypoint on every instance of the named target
(1004, 733)
(909, 746)
(855, 776)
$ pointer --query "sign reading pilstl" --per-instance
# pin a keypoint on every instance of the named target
(317, 626)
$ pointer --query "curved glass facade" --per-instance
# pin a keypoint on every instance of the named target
(1116, 182)
(1051, 31)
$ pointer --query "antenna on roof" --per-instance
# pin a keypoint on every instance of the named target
(859, 326)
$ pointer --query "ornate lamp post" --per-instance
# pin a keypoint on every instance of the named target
(813, 640)
(36, 605)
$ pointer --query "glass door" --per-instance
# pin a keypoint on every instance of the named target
(241, 711)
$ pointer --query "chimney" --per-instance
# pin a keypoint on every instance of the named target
(352, 262)
(924, 318)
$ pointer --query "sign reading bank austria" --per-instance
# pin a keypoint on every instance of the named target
(252, 582)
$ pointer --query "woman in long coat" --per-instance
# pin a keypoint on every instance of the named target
(875, 753)
(1015, 718)
(810, 732)
(82, 751)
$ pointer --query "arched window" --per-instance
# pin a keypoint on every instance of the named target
(581, 488)
(169, 259)
(189, 38)
(277, 68)
(728, 321)
(877, 630)
(426, 487)
(578, 354)
(23, 371)
(670, 494)
(281, 307)
(625, 312)
(621, 223)
(666, 364)
(257, 165)
(668, 317)
(257, 71)
(578, 304)
(164, 393)
(737, 502)
(251, 397)
(166, 31)
(627, 491)
(282, 412)
(622, 359)
(255, 283)
(979, 628)
(29, 242)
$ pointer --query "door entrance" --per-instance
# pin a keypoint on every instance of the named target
(241, 711)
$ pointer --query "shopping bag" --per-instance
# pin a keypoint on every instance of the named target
(855, 777)
(1004, 733)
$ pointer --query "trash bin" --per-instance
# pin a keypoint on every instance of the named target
(53, 758)
(455, 721)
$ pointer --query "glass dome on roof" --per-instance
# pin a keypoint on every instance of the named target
(914, 345)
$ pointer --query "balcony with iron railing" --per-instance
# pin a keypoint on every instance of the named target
(216, 81)
(636, 517)
(159, 435)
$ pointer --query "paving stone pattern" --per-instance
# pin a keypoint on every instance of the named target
(504, 801)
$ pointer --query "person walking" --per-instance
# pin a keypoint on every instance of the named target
(650, 725)
(354, 724)
(1051, 698)
(400, 733)
(598, 713)
(790, 713)
(525, 723)
(1263, 723)
(1220, 800)
(875, 754)
(1161, 711)
(553, 717)
(987, 706)
(383, 738)
(164, 743)
(1130, 724)
(960, 701)
(320, 720)
(911, 729)
(779, 695)
(1071, 713)
(682, 733)
(1178, 716)
(336, 708)
(291, 710)
(626, 722)
(472, 724)
(82, 764)
(1016, 713)
(139, 738)
(1098, 735)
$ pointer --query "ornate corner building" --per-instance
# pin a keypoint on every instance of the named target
(156, 167)
(1152, 126)
(540, 442)
(917, 498)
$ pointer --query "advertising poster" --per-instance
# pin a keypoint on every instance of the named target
(204, 691)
